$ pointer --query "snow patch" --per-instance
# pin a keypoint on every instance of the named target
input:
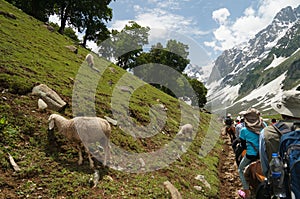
(276, 61)
(228, 94)
(262, 93)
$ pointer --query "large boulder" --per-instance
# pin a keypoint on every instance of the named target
(50, 97)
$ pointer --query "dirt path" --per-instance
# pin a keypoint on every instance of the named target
(228, 174)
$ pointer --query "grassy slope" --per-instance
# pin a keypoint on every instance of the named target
(31, 54)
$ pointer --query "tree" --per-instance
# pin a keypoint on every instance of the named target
(173, 56)
(91, 19)
(40, 9)
(89, 16)
(125, 46)
(200, 93)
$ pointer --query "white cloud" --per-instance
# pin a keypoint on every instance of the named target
(221, 15)
(163, 20)
(230, 33)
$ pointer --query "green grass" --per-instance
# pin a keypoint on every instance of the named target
(30, 54)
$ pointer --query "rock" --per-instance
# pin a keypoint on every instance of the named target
(50, 97)
(113, 70)
(174, 192)
(110, 120)
(42, 105)
(125, 89)
(72, 49)
(198, 188)
(201, 178)
(142, 162)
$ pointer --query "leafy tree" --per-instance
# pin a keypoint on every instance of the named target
(69, 32)
(200, 93)
(125, 46)
(173, 56)
(88, 15)
(91, 19)
(40, 9)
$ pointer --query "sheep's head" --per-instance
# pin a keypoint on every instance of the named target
(51, 122)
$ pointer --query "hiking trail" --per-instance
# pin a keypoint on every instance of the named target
(228, 173)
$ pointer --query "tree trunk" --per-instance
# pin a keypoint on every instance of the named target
(85, 37)
(63, 17)
(84, 40)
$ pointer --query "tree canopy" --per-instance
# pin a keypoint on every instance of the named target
(125, 46)
(40, 9)
(88, 16)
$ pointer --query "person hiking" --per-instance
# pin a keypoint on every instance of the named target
(289, 108)
(249, 137)
(283, 138)
(229, 128)
(239, 126)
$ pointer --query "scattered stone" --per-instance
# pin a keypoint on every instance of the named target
(72, 49)
(108, 178)
(174, 192)
(50, 97)
(95, 178)
(142, 162)
(42, 105)
(13, 163)
(183, 149)
(198, 188)
(125, 89)
(113, 70)
(201, 178)
(110, 120)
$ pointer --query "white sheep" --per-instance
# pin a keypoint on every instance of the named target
(186, 131)
(90, 129)
(90, 60)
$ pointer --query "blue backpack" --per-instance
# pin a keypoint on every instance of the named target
(289, 150)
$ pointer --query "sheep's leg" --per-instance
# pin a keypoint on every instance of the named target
(90, 158)
(80, 155)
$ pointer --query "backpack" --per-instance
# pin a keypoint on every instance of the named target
(228, 121)
(289, 150)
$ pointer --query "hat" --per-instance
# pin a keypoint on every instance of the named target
(242, 113)
(253, 120)
(288, 104)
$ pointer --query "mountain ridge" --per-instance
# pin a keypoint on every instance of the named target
(239, 71)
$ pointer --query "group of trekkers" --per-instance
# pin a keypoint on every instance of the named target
(257, 143)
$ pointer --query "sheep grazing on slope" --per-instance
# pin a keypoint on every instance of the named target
(90, 60)
(186, 131)
(90, 129)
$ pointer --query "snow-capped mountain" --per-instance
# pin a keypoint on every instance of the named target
(252, 73)
(200, 73)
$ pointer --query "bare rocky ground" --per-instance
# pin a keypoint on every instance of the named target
(230, 181)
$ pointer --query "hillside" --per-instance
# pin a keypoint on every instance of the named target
(31, 54)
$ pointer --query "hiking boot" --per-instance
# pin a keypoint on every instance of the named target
(246, 194)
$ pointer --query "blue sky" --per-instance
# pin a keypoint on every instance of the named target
(212, 25)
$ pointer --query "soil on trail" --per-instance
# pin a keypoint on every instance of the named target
(228, 173)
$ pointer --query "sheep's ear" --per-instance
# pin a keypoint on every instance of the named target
(51, 123)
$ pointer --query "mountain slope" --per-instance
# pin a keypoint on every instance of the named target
(32, 54)
(239, 71)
